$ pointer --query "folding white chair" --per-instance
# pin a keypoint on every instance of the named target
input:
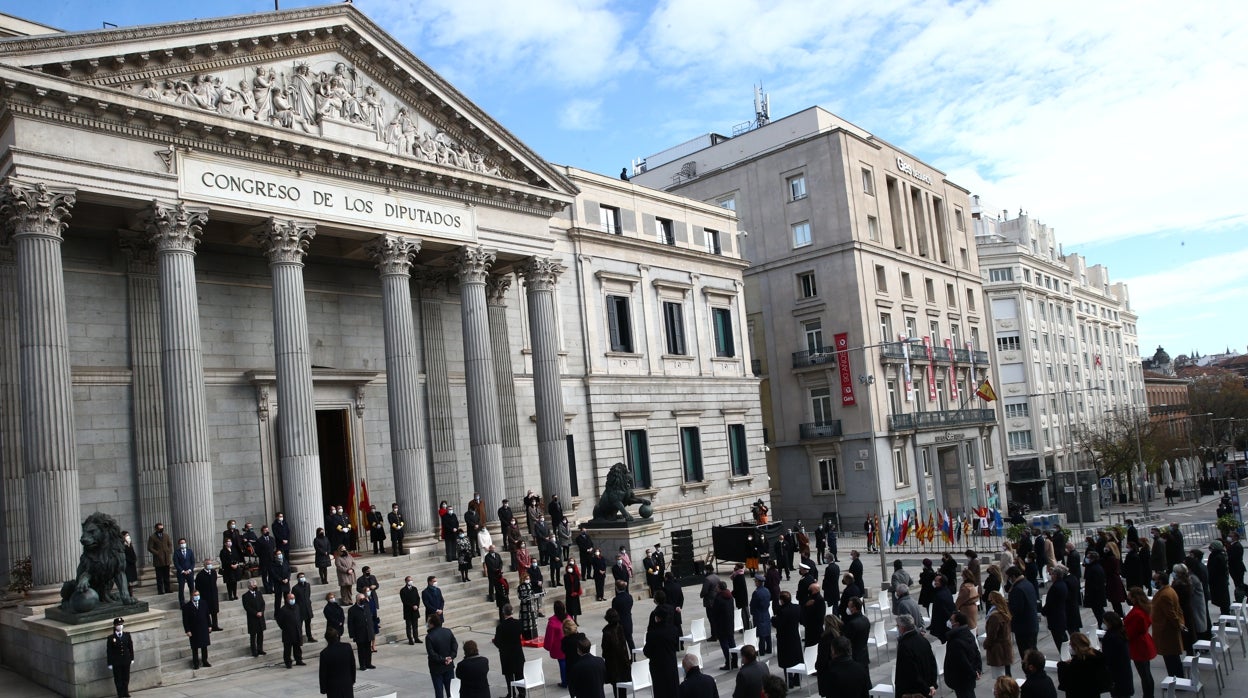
(807, 667)
(1236, 625)
(533, 677)
(640, 677)
(882, 602)
(734, 653)
(593, 650)
(1206, 657)
(455, 688)
(1218, 644)
(697, 632)
(882, 690)
(1170, 686)
(738, 623)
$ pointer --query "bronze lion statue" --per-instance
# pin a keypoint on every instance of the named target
(101, 574)
(617, 494)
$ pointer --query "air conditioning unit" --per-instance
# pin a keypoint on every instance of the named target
(860, 465)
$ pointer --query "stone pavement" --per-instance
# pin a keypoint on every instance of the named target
(403, 669)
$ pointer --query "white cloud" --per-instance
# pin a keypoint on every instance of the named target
(581, 115)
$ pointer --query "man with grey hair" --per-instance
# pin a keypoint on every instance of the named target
(906, 605)
(915, 671)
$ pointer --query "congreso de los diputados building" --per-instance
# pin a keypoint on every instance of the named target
(249, 264)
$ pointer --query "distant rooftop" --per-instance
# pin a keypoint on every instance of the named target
(11, 26)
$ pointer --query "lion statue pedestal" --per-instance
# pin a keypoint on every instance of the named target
(99, 590)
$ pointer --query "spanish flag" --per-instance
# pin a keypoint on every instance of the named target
(986, 392)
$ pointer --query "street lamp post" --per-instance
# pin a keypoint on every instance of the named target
(867, 381)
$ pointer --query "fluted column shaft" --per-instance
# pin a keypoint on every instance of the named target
(407, 443)
(496, 288)
(484, 433)
(36, 216)
(285, 243)
(175, 232)
(540, 277)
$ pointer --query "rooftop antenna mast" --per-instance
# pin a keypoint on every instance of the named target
(762, 106)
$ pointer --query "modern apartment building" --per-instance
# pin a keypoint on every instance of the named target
(865, 312)
(1065, 344)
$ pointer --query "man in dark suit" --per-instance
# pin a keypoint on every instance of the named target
(281, 533)
(397, 525)
(554, 509)
(473, 673)
(915, 671)
(839, 674)
(288, 621)
(855, 568)
(585, 544)
(279, 578)
(751, 675)
(120, 656)
(303, 601)
(360, 629)
(450, 522)
(195, 625)
(1023, 603)
(623, 605)
(431, 596)
(505, 515)
(337, 667)
(696, 684)
(335, 617)
(206, 585)
(376, 530)
(253, 606)
(587, 676)
(442, 649)
(662, 644)
(184, 567)
(507, 638)
(493, 564)
(264, 547)
(409, 596)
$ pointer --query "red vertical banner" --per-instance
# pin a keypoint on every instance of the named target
(970, 372)
(905, 350)
(842, 363)
(931, 369)
(953, 371)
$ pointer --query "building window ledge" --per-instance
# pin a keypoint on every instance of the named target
(687, 487)
(624, 355)
(740, 480)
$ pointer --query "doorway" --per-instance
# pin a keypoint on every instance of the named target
(333, 439)
(951, 475)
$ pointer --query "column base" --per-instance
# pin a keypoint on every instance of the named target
(43, 596)
(301, 558)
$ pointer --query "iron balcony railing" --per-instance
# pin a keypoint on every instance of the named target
(814, 357)
(942, 418)
(824, 430)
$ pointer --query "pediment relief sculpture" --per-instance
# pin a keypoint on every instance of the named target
(325, 96)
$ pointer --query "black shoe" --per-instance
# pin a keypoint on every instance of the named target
(372, 666)
(288, 666)
(300, 664)
(363, 668)
(420, 641)
(207, 665)
(262, 652)
(195, 666)
(725, 668)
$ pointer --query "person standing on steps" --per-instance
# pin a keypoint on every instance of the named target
(431, 596)
(206, 585)
(281, 533)
(409, 596)
(376, 530)
(334, 616)
(160, 546)
(253, 606)
(360, 629)
(397, 528)
(184, 565)
(303, 598)
(120, 655)
(324, 555)
(288, 621)
(450, 524)
(231, 568)
(198, 630)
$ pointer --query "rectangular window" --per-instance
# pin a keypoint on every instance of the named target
(929, 289)
(964, 258)
(1017, 409)
(868, 182)
(728, 202)
(873, 228)
(609, 218)
(806, 285)
(691, 454)
(886, 327)
(901, 474)
(934, 331)
(1008, 343)
(975, 338)
(1027, 275)
(674, 327)
(797, 187)
(619, 324)
(801, 234)
(725, 344)
(637, 456)
(958, 219)
(907, 288)
(1019, 440)
(712, 242)
(881, 279)
(951, 296)
(1001, 274)
(912, 327)
(813, 330)
(829, 478)
(665, 231)
(970, 299)
(737, 450)
(821, 406)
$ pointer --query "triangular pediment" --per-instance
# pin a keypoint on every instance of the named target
(327, 74)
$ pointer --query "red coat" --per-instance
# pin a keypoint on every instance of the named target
(1139, 641)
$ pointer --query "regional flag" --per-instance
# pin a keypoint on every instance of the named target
(986, 392)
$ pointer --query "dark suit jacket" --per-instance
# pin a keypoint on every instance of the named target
(281, 532)
(440, 643)
(360, 624)
(337, 670)
(662, 644)
(120, 649)
(587, 676)
(750, 680)
(195, 622)
(474, 677)
(843, 677)
(622, 602)
(303, 599)
(696, 685)
(289, 620)
(253, 603)
(410, 597)
(334, 617)
(507, 637)
(432, 597)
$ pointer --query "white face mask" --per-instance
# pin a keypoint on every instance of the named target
(332, 599)
(290, 602)
(182, 546)
(127, 539)
(208, 567)
(303, 580)
(119, 628)
(409, 583)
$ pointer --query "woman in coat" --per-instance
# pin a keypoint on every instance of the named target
(1114, 590)
(998, 646)
(992, 581)
(662, 644)
(344, 564)
(1139, 641)
(926, 591)
(1117, 653)
(552, 642)
(787, 624)
(968, 598)
(1168, 624)
(1094, 587)
(1055, 608)
(1219, 577)
(132, 563)
(572, 589)
(1084, 675)
(949, 567)
(324, 557)
(615, 650)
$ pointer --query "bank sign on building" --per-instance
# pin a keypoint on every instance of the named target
(249, 263)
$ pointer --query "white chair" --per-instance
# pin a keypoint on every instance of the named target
(455, 688)
(882, 602)
(1170, 686)
(533, 677)
(738, 623)
(640, 677)
(882, 690)
(1206, 657)
(807, 667)
(695, 650)
(1235, 624)
(593, 650)
(1219, 644)
(734, 653)
(697, 632)
(1050, 667)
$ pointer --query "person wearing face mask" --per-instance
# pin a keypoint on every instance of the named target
(367, 585)
(265, 546)
(598, 565)
(120, 653)
(335, 617)
(288, 620)
(160, 547)
(344, 565)
(281, 533)
(360, 629)
(232, 534)
(253, 607)
(450, 523)
(206, 585)
(231, 568)
(376, 530)
(303, 601)
(320, 545)
(472, 524)
(195, 624)
(397, 526)
(132, 562)
(431, 596)
(184, 565)
(279, 578)
(409, 597)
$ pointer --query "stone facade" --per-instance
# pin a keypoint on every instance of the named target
(317, 301)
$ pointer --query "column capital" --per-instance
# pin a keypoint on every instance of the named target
(285, 241)
(472, 263)
(496, 287)
(175, 227)
(393, 254)
(139, 250)
(35, 209)
(541, 273)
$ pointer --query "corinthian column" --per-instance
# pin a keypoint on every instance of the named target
(285, 242)
(540, 276)
(407, 444)
(473, 265)
(175, 232)
(496, 287)
(35, 216)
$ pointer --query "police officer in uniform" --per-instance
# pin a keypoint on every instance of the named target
(120, 656)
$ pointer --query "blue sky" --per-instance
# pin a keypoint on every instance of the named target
(1120, 124)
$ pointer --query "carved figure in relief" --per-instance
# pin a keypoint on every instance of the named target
(401, 134)
(373, 109)
(261, 90)
(150, 89)
(284, 113)
(303, 91)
